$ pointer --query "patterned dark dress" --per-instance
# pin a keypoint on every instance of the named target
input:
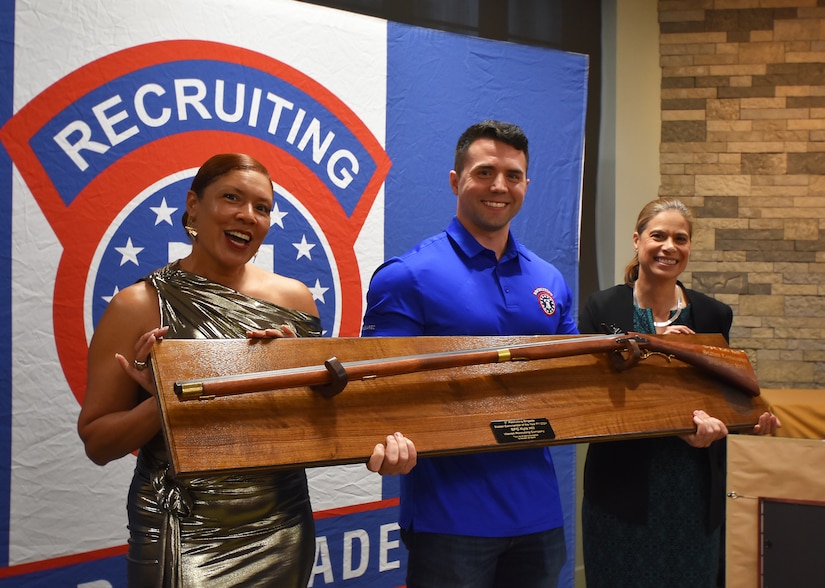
(223, 530)
(671, 546)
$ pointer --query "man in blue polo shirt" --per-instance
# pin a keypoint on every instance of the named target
(491, 519)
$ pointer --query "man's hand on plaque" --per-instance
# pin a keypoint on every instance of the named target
(396, 456)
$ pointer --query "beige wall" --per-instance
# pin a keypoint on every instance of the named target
(628, 167)
(743, 143)
(631, 125)
(722, 103)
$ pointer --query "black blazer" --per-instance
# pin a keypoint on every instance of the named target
(616, 473)
(615, 306)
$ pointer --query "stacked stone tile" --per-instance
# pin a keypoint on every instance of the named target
(743, 143)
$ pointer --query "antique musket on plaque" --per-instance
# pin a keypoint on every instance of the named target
(449, 394)
(624, 350)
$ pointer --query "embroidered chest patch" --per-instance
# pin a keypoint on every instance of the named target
(546, 300)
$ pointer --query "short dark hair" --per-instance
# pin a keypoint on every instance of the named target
(491, 129)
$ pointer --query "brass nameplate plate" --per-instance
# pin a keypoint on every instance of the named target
(512, 430)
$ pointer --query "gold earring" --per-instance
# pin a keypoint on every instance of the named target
(192, 232)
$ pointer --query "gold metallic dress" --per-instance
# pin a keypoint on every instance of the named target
(223, 530)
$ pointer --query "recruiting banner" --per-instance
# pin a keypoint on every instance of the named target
(106, 112)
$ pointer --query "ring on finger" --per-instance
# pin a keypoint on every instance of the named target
(141, 365)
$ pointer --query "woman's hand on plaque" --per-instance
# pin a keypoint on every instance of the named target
(138, 367)
(283, 332)
(708, 430)
(767, 425)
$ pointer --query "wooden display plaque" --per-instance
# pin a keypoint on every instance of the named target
(487, 407)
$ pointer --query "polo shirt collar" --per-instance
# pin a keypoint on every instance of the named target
(471, 247)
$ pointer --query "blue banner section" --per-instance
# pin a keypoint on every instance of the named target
(564, 461)
(155, 102)
(99, 573)
(362, 549)
(6, 106)
(438, 84)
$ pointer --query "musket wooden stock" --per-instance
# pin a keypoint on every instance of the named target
(331, 378)
(730, 365)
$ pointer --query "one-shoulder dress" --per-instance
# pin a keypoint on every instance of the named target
(247, 529)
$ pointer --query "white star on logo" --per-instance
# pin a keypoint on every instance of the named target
(318, 291)
(276, 217)
(303, 248)
(163, 212)
(109, 298)
(129, 252)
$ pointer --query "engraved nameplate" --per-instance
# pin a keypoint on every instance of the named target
(509, 431)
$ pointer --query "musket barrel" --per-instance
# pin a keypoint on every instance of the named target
(390, 366)
(727, 364)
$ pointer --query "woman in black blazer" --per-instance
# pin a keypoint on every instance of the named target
(653, 508)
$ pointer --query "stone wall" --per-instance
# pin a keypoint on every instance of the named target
(743, 144)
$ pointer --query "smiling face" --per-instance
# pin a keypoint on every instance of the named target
(231, 218)
(490, 189)
(663, 245)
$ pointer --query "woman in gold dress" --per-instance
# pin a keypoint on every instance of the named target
(228, 530)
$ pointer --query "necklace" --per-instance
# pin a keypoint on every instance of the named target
(679, 306)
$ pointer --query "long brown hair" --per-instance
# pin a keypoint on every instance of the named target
(650, 210)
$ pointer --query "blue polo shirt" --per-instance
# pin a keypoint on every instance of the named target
(450, 284)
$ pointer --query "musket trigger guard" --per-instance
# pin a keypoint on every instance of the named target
(647, 353)
(338, 379)
(626, 358)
